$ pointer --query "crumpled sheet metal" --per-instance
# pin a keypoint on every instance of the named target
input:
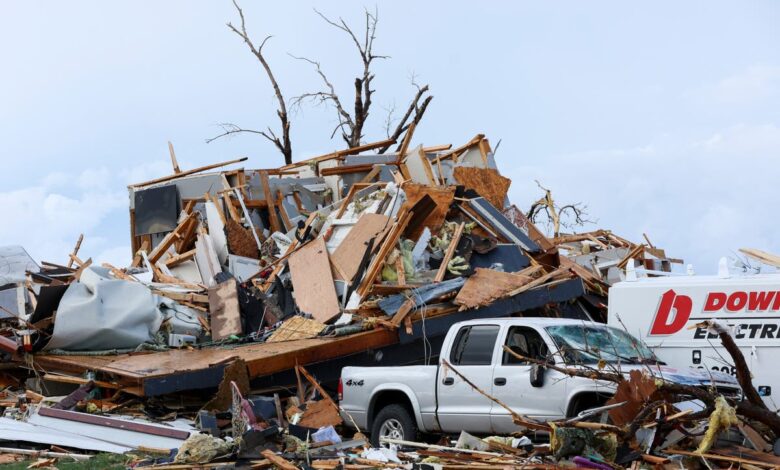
(99, 313)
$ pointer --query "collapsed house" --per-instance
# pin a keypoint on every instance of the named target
(246, 276)
(347, 258)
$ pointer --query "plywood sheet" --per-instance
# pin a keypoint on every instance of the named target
(312, 282)
(485, 181)
(296, 327)
(224, 309)
(351, 250)
(487, 285)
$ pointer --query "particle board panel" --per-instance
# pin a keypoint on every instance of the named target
(487, 285)
(350, 252)
(224, 309)
(486, 182)
(312, 281)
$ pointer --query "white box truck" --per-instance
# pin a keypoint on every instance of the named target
(663, 312)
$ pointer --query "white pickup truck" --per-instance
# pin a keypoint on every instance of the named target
(397, 402)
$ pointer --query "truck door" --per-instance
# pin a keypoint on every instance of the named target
(460, 407)
(512, 381)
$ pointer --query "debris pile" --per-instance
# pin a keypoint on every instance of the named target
(247, 284)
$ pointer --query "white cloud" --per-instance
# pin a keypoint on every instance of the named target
(760, 140)
(700, 199)
(754, 84)
(47, 219)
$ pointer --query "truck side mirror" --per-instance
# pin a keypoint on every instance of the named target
(537, 375)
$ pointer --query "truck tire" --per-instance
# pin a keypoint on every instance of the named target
(393, 421)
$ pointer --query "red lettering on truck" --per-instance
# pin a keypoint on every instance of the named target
(759, 301)
(665, 323)
(715, 301)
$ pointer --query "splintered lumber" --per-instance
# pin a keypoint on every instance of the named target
(311, 278)
(539, 281)
(176, 169)
(169, 239)
(443, 197)
(762, 256)
(189, 172)
(75, 250)
(387, 246)
(296, 327)
(279, 461)
(180, 258)
(450, 251)
(340, 153)
(725, 458)
(485, 181)
(407, 140)
(350, 252)
(488, 285)
(137, 258)
(279, 263)
(224, 309)
(269, 201)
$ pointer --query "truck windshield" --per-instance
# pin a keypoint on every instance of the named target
(589, 344)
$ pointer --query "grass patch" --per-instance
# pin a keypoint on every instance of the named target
(98, 462)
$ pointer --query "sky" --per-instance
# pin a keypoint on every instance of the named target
(662, 117)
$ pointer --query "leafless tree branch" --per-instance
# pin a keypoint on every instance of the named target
(568, 216)
(350, 123)
(282, 143)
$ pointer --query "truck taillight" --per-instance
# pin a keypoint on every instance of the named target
(341, 389)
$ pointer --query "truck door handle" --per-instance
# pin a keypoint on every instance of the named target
(448, 381)
(499, 381)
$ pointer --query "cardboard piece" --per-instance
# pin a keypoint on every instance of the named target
(313, 282)
(224, 309)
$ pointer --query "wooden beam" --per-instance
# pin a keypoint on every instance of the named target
(340, 153)
(168, 240)
(75, 250)
(180, 258)
(189, 172)
(450, 251)
(269, 200)
(231, 208)
(176, 169)
(347, 169)
(137, 258)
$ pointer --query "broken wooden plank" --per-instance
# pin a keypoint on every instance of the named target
(313, 286)
(350, 252)
(189, 172)
(450, 251)
(75, 250)
(441, 196)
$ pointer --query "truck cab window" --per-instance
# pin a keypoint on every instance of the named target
(526, 342)
(474, 345)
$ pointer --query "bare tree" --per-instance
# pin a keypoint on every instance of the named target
(351, 124)
(282, 143)
(567, 216)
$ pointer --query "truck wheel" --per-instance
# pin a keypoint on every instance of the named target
(393, 421)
